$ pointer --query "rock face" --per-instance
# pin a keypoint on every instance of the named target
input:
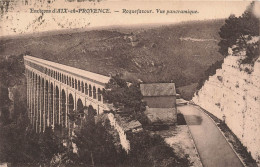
(234, 91)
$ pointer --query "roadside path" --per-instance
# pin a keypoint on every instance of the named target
(211, 145)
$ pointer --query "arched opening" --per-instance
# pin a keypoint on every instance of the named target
(42, 105)
(62, 78)
(90, 90)
(51, 105)
(86, 88)
(104, 99)
(72, 83)
(33, 98)
(94, 93)
(57, 105)
(38, 103)
(71, 103)
(91, 113)
(80, 106)
(63, 108)
(82, 87)
(78, 85)
(71, 108)
(99, 94)
(80, 110)
(46, 101)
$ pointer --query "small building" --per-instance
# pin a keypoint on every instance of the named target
(159, 95)
(161, 103)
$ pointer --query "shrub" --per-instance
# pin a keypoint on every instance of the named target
(209, 72)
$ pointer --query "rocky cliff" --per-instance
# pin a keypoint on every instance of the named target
(234, 92)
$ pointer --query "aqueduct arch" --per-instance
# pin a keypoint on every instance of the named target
(79, 105)
(71, 103)
(46, 102)
(63, 109)
(51, 118)
(57, 105)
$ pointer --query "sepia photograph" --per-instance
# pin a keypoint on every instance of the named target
(119, 83)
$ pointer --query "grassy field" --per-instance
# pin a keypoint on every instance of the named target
(177, 53)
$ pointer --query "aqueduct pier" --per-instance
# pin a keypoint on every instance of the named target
(54, 90)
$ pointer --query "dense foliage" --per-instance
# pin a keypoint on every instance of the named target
(20, 144)
(237, 31)
(95, 146)
(11, 70)
(125, 97)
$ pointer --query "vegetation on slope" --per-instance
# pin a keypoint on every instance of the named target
(12, 87)
(209, 72)
(179, 53)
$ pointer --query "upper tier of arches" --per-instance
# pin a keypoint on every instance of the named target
(88, 83)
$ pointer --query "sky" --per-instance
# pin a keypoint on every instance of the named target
(21, 21)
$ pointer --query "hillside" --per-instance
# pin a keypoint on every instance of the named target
(179, 53)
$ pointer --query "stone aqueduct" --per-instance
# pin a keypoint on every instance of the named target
(54, 90)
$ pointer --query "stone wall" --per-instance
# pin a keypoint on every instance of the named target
(122, 135)
(234, 91)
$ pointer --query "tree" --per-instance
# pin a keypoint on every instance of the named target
(127, 97)
(21, 144)
(49, 145)
(95, 145)
(237, 31)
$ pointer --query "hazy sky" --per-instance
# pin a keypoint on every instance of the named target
(22, 21)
